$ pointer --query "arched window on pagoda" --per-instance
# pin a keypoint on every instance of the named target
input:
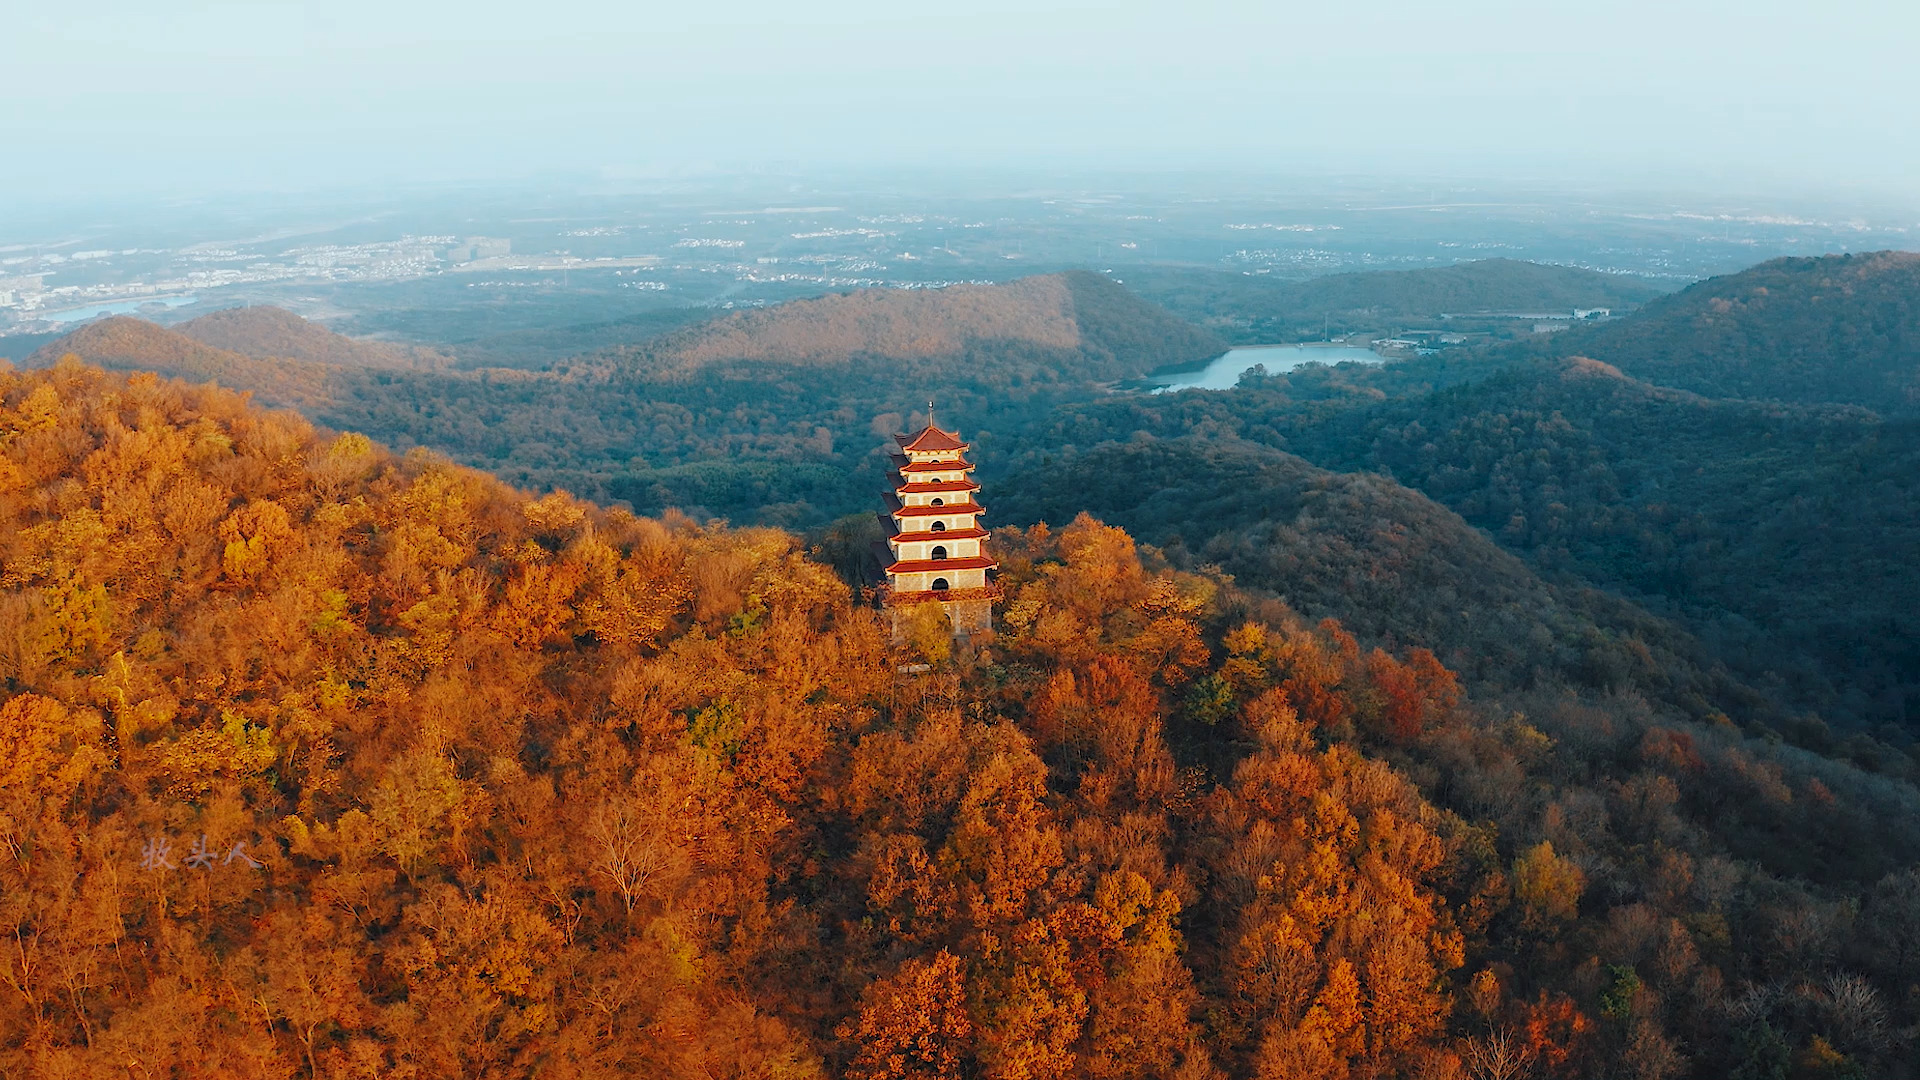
(939, 526)
(939, 553)
(939, 584)
(938, 501)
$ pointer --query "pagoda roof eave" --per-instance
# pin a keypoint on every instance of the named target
(934, 566)
(931, 439)
(933, 466)
(925, 487)
(950, 510)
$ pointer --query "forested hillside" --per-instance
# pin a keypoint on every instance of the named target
(319, 761)
(1779, 535)
(269, 332)
(1384, 560)
(769, 416)
(1094, 326)
(128, 344)
(1838, 328)
(1774, 537)
(1267, 309)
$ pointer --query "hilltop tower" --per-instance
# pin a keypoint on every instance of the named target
(934, 538)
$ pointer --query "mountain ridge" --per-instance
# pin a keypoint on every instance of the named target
(1380, 557)
(124, 343)
(1267, 308)
(1076, 312)
(1839, 329)
(266, 332)
(1776, 532)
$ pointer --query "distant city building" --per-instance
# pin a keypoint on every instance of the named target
(934, 539)
(479, 247)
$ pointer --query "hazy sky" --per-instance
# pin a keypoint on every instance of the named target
(116, 97)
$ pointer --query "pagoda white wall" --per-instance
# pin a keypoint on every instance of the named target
(961, 518)
(919, 548)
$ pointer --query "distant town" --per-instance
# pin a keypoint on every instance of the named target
(639, 252)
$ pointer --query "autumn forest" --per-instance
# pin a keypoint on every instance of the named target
(324, 760)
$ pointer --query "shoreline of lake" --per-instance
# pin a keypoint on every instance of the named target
(1223, 372)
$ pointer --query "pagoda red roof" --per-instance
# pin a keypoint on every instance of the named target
(921, 487)
(936, 466)
(949, 534)
(939, 511)
(930, 439)
(928, 566)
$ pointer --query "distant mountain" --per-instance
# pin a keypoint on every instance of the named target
(128, 344)
(1267, 308)
(281, 357)
(263, 332)
(1838, 328)
(1081, 323)
(1485, 285)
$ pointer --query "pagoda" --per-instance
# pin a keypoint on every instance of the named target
(934, 539)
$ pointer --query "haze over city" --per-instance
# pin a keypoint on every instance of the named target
(123, 100)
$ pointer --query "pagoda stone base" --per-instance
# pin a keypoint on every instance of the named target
(969, 617)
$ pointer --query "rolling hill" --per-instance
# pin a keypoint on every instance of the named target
(1383, 559)
(1483, 285)
(767, 415)
(772, 415)
(1083, 324)
(1838, 328)
(265, 332)
(1779, 534)
(1260, 308)
(128, 344)
(279, 356)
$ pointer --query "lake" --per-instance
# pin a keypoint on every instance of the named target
(1224, 371)
(118, 307)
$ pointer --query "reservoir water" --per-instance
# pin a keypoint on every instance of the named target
(118, 307)
(1222, 372)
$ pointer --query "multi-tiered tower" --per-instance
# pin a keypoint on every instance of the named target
(934, 538)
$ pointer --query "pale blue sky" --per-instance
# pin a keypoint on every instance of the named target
(117, 98)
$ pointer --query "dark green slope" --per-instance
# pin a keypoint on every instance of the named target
(1386, 561)
(777, 415)
(1263, 308)
(1838, 328)
(1784, 536)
